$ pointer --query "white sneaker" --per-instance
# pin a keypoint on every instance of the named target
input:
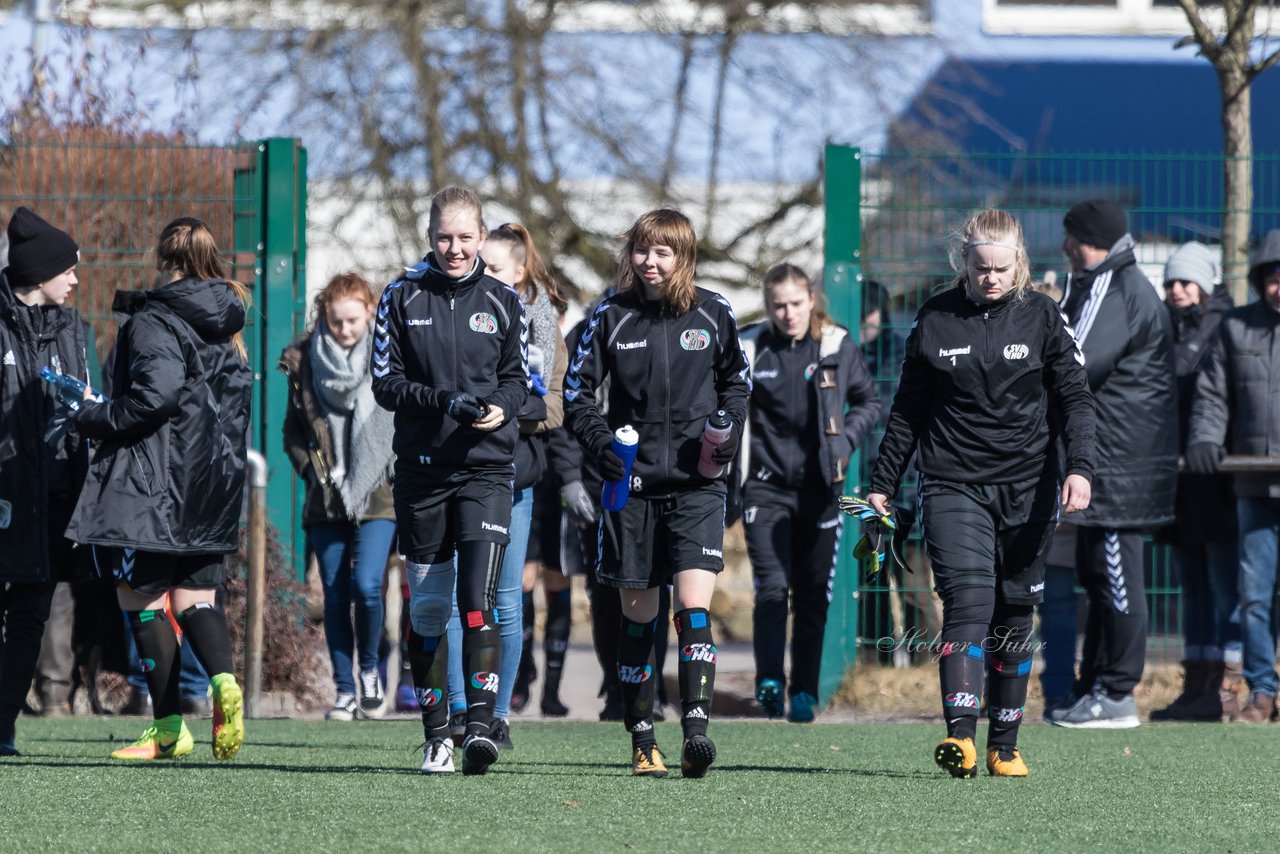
(344, 708)
(370, 691)
(437, 756)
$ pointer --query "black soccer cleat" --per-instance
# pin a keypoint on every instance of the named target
(478, 753)
(696, 756)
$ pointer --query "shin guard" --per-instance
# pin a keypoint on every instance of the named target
(635, 673)
(697, 671)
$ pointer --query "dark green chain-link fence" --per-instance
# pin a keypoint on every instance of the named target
(912, 203)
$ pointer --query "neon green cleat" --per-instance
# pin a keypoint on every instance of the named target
(228, 716)
(159, 742)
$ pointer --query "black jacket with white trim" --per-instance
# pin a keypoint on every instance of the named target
(1127, 338)
(667, 376)
(979, 384)
(435, 335)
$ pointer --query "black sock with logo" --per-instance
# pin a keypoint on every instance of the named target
(697, 671)
(635, 673)
(1008, 672)
(429, 662)
(481, 658)
(158, 652)
(205, 628)
(961, 670)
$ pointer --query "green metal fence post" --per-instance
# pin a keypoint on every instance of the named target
(842, 280)
(281, 310)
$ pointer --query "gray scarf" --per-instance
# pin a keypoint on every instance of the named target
(361, 431)
(543, 326)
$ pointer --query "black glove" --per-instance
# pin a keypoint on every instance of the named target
(59, 424)
(611, 468)
(728, 449)
(464, 407)
(1205, 457)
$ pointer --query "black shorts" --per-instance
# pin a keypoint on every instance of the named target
(990, 535)
(153, 573)
(544, 526)
(650, 539)
(435, 511)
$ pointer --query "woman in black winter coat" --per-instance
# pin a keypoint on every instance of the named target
(1203, 538)
(39, 477)
(812, 402)
(166, 486)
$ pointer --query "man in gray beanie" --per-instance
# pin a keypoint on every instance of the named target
(1203, 540)
(1127, 341)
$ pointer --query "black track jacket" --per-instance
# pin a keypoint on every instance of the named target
(978, 383)
(436, 335)
(667, 375)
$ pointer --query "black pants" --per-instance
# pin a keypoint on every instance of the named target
(1109, 566)
(792, 535)
(24, 608)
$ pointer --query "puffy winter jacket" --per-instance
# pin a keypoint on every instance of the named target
(839, 387)
(667, 376)
(1127, 338)
(36, 481)
(1237, 402)
(435, 335)
(168, 473)
(979, 385)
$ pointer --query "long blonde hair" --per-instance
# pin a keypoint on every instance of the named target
(664, 227)
(1001, 228)
(188, 249)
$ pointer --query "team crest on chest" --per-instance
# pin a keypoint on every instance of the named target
(810, 371)
(484, 322)
(1016, 351)
(695, 339)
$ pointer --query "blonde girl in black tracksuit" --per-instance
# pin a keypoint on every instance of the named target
(990, 366)
(449, 359)
(672, 352)
(812, 402)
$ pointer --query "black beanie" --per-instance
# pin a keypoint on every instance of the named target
(37, 250)
(1097, 222)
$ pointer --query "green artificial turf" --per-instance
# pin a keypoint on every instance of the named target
(316, 786)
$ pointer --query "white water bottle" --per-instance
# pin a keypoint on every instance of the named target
(719, 427)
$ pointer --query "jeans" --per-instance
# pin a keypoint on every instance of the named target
(1259, 529)
(510, 607)
(1209, 574)
(352, 559)
(193, 683)
(1058, 631)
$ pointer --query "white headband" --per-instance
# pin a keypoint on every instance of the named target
(974, 243)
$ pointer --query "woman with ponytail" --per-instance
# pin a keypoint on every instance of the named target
(165, 489)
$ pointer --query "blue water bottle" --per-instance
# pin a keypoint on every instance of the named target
(614, 494)
(70, 389)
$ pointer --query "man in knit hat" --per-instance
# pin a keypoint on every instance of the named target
(40, 478)
(1127, 341)
(1234, 409)
(1203, 539)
